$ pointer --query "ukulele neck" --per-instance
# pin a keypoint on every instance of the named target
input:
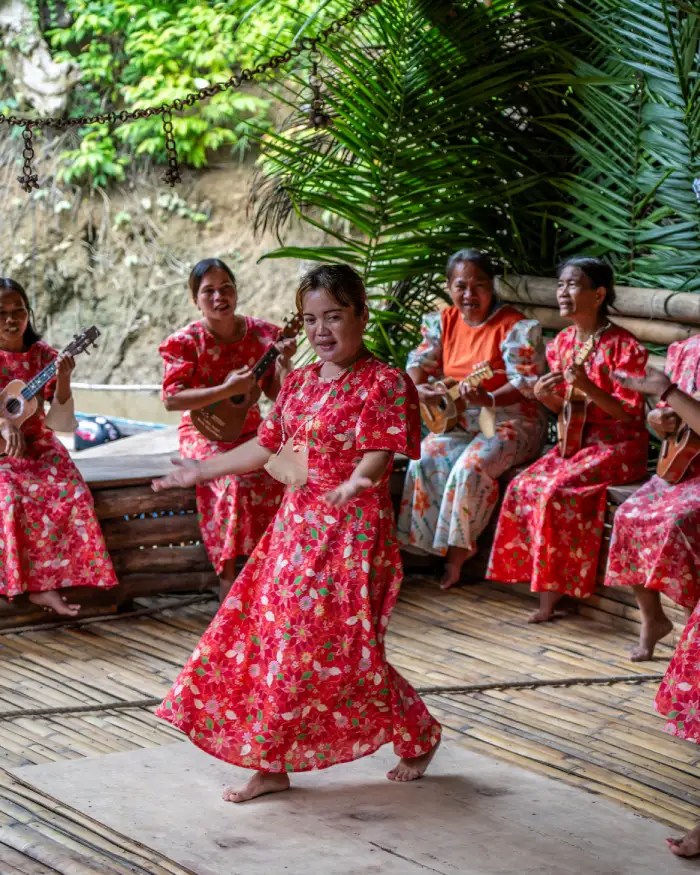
(260, 369)
(36, 384)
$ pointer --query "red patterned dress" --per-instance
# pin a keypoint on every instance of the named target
(291, 674)
(49, 535)
(233, 511)
(656, 536)
(678, 698)
(551, 524)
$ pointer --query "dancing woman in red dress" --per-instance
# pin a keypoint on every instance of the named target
(208, 361)
(292, 673)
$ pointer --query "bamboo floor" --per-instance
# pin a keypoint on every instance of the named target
(606, 739)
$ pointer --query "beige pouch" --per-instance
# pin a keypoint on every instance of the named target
(289, 465)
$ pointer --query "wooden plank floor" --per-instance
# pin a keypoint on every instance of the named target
(606, 739)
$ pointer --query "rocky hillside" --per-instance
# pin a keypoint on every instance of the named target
(121, 261)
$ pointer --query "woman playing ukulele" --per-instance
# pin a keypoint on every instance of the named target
(451, 492)
(655, 545)
(551, 524)
(49, 536)
(208, 361)
(678, 694)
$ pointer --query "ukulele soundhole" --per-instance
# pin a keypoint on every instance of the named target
(13, 407)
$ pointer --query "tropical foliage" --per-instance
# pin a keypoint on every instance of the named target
(435, 143)
(634, 125)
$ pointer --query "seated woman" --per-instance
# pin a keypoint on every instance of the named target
(49, 536)
(678, 694)
(208, 361)
(551, 524)
(655, 545)
(451, 492)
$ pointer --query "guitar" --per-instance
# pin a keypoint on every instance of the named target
(18, 401)
(572, 419)
(223, 421)
(442, 414)
(677, 454)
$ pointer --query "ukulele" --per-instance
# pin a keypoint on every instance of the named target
(18, 401)
(572, 419)
(677, 453)
(442, 414)
(223, 421)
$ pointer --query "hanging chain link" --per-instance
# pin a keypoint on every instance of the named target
(317, 115)
(29, 180)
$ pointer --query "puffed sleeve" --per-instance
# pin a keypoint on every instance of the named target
(390, 418)
(179, 354)
(428, 354)
(630, 357)
(524, 356)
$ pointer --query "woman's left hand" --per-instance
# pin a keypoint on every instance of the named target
(347, 491)
(652, 383)
(287, 349)
(475, 397)
(577, 377)
(65, 365)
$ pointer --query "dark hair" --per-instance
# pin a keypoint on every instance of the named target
(598, 274)
(470, 256)
(31, 335)
(342, 282)
(202, 268)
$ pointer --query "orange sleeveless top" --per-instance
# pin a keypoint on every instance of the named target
(466, 346)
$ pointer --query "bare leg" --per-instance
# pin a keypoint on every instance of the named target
(228, 575)
(688, 846)
(260, 784)
(546, 610)
(52, 601)
(655, 624)
(412, 768)
(456, 557)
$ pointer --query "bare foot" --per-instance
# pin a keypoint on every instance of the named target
(649, 637)
(450, 576)
(688, 846)
(259, 784)
(52, 601)
(412, 768)
(544, 615)
(456, 557)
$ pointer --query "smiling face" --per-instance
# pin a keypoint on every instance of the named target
(471, 291)
(217, 296)
(576, 295)
(334, 332)
(14, 318)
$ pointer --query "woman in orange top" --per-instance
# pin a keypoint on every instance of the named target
(451, 492)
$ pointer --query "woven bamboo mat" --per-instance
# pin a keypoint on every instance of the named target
(606, 739)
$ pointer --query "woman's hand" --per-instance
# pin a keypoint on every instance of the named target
(188, 474)
(14, 439)
(430, 391)
(664, 421)
(65, 365)
(240, 381)
(287, 349)
(577, 377)
(475, 396)
(347, 491)
(545, 386)
(652, 383)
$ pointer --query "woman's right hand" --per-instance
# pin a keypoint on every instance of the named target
(430, 391)
(664, 421)
(545, 386)
(14, 439)
(240, 381)
(188, 474)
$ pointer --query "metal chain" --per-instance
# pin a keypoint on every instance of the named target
(318, 117)
(29, 179)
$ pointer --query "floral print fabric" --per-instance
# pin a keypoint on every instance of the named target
(49, 535)
(233, 511)
(451, 492)
(678, 698)
(551, 524)
(656, 534)
(292, 674)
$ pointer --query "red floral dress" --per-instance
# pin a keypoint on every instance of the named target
(291, 674)
(678, 698)
(656, 536)
(49, 535)
(233, 511)
(551, 524)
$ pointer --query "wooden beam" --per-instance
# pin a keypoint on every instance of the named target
(163, 560)
(133, 500)
(151, 532)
